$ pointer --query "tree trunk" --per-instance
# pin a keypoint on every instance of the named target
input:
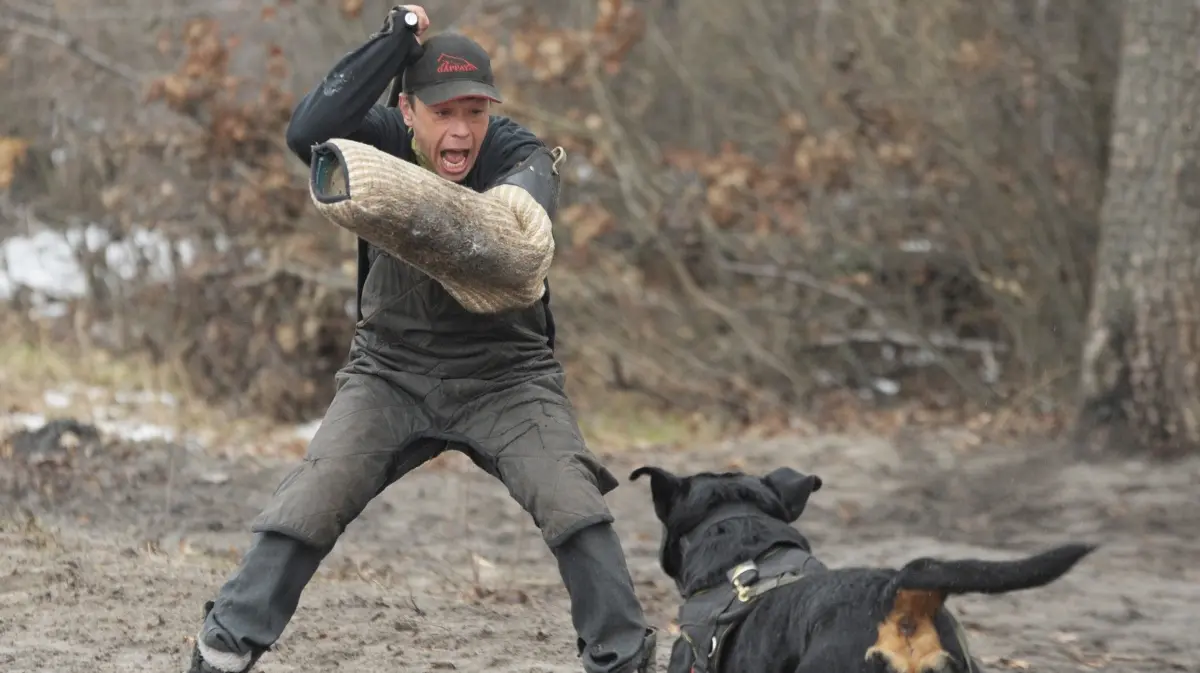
(1141, 360)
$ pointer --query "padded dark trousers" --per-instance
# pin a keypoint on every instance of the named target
(382, 425)
(257, 602)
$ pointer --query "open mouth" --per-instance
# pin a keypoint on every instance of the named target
(454, 161)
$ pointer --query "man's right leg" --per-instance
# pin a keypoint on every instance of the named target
(256, 603)
(361, 447)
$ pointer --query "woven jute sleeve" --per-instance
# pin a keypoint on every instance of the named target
(491, 251)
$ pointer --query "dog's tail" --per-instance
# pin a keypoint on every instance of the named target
(972, 576)
(908, 639)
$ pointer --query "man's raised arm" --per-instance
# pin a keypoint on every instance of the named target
(343, 104)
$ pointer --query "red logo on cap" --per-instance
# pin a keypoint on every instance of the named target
(448, 63)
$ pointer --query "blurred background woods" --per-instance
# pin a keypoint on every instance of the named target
(769, 207)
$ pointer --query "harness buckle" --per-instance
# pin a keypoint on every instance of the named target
(743, 577)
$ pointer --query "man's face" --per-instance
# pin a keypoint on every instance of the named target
(448, 134)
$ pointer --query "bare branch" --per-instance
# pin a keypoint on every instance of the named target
(325, 279)
(909, 340)
(73, 45)
(89, 13)
(800, 278)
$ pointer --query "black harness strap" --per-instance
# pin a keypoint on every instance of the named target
(558, 154)
(549, 316)
(364, 267)
(709, 616)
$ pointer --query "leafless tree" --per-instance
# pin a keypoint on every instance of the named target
(1141, 358)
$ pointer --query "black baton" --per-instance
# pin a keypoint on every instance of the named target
(393, 99)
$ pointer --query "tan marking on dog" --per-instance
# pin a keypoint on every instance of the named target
(908, 640)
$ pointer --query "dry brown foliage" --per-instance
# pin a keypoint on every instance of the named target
(763, 200)
(12, 155)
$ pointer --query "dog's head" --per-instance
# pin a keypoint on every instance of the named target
(682, 503)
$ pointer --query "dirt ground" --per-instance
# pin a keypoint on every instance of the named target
(109, 553)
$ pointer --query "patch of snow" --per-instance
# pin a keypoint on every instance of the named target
(128, 430)
(138, 432)
(113, 413)
(21, 421)
(45, 261)
(145, 397)
(886, 386)
(56, 399)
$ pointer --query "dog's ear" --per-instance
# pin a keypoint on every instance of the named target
(793, 488)
(664, 486)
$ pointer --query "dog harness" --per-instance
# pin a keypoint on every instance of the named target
(708, 617)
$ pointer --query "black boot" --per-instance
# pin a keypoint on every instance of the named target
(612, 630)
(647, 661)
(255, 604)
(218, 661)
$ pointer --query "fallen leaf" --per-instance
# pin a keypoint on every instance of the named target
(13, 152)
(1014, 664)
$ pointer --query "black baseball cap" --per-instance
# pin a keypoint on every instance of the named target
(452, 66)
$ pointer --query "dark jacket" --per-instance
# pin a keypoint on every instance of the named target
(405, 317)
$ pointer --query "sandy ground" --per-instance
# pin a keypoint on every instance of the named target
(108, 553)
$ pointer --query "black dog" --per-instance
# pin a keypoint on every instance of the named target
(757, 601)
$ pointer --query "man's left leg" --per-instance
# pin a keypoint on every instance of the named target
(531, 437)
(608, 618)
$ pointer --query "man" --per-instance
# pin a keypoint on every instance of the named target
(426, 375)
